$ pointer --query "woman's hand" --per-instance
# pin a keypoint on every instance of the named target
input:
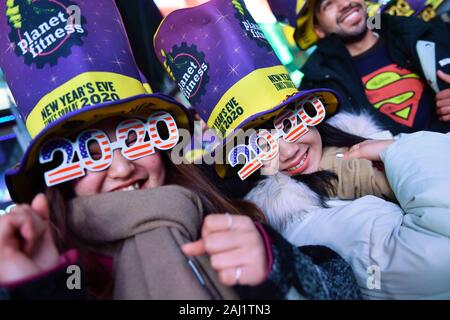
(236, 249)
(369, 149)
(26, 244)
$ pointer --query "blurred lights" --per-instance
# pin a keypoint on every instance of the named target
(297, 77)
(5, 96)
(8, 137)
(6, 119)
(259, 8)
(260, 11)
(277, 40)
(167, 6)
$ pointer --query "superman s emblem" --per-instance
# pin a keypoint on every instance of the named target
(396, 92)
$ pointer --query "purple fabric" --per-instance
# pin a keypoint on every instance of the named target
(284, 10)
(219, 35)
(103, 46)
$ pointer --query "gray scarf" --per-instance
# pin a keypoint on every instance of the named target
(142, 231)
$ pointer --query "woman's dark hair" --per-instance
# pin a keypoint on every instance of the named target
(334, 137)
(214, 201)
(322, 182)
(185, 175)
(96, 277)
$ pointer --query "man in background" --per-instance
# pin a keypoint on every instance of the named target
(399, 73)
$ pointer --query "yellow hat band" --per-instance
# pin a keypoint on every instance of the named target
(85, 90)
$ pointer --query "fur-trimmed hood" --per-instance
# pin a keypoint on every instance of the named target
(357, 124)
(284, 199)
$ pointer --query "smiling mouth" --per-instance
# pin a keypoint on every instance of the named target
(300, 167)
(348, 13)
(134, 186)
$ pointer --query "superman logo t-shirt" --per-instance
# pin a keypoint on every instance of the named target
(395, 92)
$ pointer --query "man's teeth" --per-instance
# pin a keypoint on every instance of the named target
(351, 14)
(134, 186)
(300, 164)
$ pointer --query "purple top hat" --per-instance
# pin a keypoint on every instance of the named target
(225, 66)
(68, 62)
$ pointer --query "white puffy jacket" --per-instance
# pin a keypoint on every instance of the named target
(395, 252)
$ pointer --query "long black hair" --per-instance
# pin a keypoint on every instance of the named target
(322, 182)
(334, 137)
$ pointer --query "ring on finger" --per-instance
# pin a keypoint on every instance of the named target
(230, 220)
(238, 274)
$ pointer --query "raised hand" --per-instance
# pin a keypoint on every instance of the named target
(443, 99)
(236, 249)
(26, 244)
(369, 149)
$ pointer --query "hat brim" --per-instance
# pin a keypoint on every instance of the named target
(305, 36)
(21, 180)
(330, 98)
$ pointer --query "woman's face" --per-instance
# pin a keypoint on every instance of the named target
(123, 174)
(300, 157)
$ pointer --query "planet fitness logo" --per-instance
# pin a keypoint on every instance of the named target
(187, 66)
(44, 30)
(250, 26)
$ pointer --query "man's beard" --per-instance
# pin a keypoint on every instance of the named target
(353, 38)
(357, 36)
